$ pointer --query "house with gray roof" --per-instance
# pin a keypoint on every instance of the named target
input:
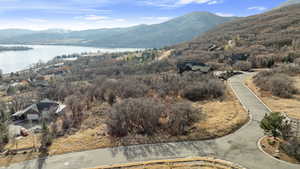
(44, 109)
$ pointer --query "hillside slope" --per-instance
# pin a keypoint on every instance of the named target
(175, 31)
(274, 35)
(290, 2)
(9, 33)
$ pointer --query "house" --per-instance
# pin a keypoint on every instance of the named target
(3, 88)
(225, 75)
(40, 83)
(44, 109)
(193, 66)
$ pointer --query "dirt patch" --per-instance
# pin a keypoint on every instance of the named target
(191, 163)
(290, 106)
(165, 55)
(271, 146)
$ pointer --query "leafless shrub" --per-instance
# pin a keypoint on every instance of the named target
(172, 84)
(130, 88)
(66, 123)
(278, 84)
(210, 89)
(20, 102)
(242, 65)
(281, 85)
(265, 61)
(134, 116)
(76, 106)
(143, 116)
(289, 69)
(57, 91)
(297, 61)
(182, 116)
(292, 147)
(123, 88)
(4, 127)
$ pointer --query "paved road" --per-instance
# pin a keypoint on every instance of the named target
(239, 147)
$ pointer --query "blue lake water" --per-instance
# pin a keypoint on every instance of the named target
(11, 61)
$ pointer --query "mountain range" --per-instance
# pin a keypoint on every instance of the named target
(174, 31)
(177, 30)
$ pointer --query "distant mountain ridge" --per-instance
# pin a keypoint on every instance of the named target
(177, 30)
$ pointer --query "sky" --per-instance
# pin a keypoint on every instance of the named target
(93, 14)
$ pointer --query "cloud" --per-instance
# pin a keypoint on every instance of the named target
(55, 9)
(198, 1)
(120, 20)
(36, 20)
(95, 17)
(215, 2)
(258, 8)
(50, 6)
(224, 14)
(178, 3)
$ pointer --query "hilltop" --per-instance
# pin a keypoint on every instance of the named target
(177, 30)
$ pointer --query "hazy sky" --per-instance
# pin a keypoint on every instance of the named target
(90, 14)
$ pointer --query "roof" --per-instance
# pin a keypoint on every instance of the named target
(192, 63)
(31, 107)
(48, 101)
(42, 105)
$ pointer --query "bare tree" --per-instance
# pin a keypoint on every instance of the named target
(4, 121)
(19, 102)
(1, 74)
(76, 105)
(242, 65)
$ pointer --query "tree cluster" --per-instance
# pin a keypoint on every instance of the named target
(147, 116)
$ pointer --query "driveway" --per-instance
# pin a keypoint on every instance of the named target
(239, 147)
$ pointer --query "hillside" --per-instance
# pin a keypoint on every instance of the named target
(260, 39)
(289, 2)
(9, 33)
(175, 31)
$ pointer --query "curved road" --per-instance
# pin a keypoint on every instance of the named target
(239, 147)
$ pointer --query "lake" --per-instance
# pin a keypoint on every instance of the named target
(12, 61)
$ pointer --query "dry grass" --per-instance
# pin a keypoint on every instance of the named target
(82, 140)
(222, 117)
(190, 163)
(23, 142)
(290, 106)
(8, 160)
(4, 98)
(165, 55)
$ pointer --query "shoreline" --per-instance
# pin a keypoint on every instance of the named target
(84, 52)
